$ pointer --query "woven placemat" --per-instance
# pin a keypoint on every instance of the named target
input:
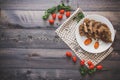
(67, 33)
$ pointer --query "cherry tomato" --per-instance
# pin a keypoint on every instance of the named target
(60, 17)
(68, 14)
(88, 41)
(62, 11)
(91, 66)
(51, 21)
(54, 16)
(68, 54)
(89, 63)
(83, 60)
(99, 67)
(74, 59)
(82, 63)
(96, 45)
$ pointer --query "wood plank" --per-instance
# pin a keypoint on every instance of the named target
(51, 64)
(26, 58)
(38, 64)
(27, 4)
(14, 53)
(34, 5)
(30, 39)
(26, 19)
(53, 74)
(101, 5)
(39, 74)
(109, 5)
(47, 58)
(33, 19)
(111, 75)
(37, 38)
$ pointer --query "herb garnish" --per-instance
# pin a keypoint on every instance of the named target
(55, 9)
(79, 16)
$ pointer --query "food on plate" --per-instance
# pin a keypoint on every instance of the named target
(88, 41)
(96, 30)
(96, 45)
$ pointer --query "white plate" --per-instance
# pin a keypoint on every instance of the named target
(102, 45)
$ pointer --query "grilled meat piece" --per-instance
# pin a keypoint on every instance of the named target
(96, 30)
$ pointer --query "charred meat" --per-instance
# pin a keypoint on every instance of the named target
(96, 30)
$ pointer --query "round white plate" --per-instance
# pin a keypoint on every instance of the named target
(102, 45)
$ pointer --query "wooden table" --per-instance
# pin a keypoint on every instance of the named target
(37, 53)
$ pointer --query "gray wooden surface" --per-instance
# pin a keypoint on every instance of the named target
(35, 52)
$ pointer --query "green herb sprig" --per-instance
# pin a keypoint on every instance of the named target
(84, 70)
(55, 9)
(79, 16)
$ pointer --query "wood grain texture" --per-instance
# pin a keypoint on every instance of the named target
(46, 58)
(33, 19)
(46, 53)
(50, 64)
(34, 5)
(55, 74)
(39, 74)
(99, 5)
(30, 49)
(27, 19)
(37, 38)
(109, 5)
(28, 4)
(22, 38)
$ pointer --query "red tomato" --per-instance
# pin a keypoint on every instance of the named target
(54, 16)
(60, 17)
(88, 41)
(62, 11)
(89, 63)
(91, 67)
(68, 14)
(96, 45)
(51, 21)
(82, 62)
(68, 54)
(74, 59)
(99, 67)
